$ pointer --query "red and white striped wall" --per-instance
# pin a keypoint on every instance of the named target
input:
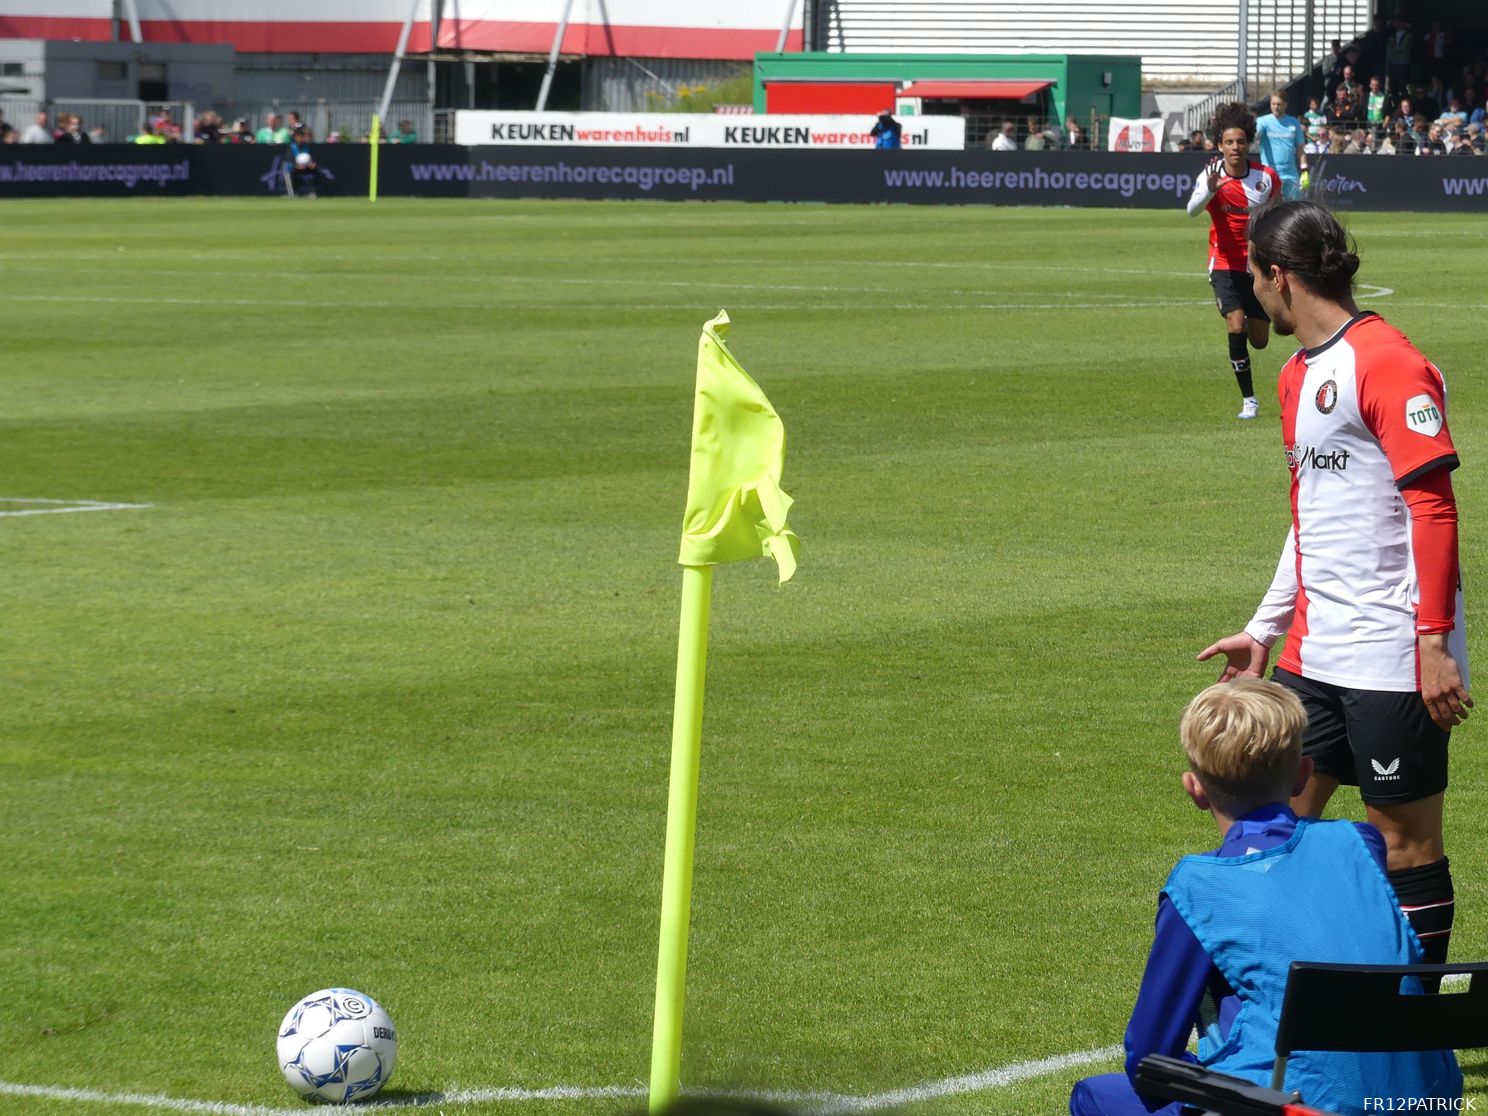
(722, 29)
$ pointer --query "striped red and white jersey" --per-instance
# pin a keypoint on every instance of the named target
(1363, 415)
(1229, 209)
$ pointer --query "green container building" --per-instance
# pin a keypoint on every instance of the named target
(1081, 85)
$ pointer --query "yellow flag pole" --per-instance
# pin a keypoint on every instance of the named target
(376, 138)
(681, 833)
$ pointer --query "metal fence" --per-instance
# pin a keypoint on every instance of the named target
(121, 121)
(106, 121)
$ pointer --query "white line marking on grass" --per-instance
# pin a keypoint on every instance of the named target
(560, 307)
(997, 1078)
(141, 1100)
(527, 281)
(62, 507)
(823, 1102)
(1369, 290)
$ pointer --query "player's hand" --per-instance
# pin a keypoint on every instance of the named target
(1442, 689)
(1244, 657)
(1215, 171)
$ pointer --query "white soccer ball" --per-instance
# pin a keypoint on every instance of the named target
(337, 1045)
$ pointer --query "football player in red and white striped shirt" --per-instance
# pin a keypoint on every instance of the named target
(1367, 591)
(1229, 190)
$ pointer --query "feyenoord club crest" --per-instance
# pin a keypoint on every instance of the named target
(1327, 397)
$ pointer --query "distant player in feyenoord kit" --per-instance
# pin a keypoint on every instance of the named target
(1229, 189)
(1367, 590)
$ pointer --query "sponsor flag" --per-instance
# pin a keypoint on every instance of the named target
(1135, 135)
(735, 510)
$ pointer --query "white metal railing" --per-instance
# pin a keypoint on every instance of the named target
(105, 120)
(1196, 116)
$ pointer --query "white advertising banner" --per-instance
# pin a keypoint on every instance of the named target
(1135, 135)
(696, 129)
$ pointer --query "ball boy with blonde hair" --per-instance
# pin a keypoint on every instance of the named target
(1230, 922)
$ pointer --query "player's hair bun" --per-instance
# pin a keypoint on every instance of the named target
(1337, 262)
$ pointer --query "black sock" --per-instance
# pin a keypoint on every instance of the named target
(1426, 897)
(1240, 362)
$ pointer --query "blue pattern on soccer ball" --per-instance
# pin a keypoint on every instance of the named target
(308, 1042)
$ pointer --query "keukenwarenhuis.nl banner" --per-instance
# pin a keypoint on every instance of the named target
(696, 129)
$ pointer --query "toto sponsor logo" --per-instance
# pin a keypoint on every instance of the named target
(1423, 416)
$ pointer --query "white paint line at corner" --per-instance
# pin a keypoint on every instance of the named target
(61, 507)
(139, 1100)
(820, 1102)
(996, 1078)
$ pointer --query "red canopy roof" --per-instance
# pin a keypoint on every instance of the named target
(973, 90)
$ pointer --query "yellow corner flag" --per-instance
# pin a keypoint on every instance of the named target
(735, 510)
(735, 506)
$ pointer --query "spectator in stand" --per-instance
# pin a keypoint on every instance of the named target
(39, 132)
(1074, 135)
(1465, 80)
(166, 127)
(406, 134)
(1398, 47)
(333, 137)
(1313, 118)
(98, 134)
(209, 127)
(1436, 46)
(1475, 113)
(1459, 143)
(8, 134)
(1387, 143)
(887, 133)
(1347, 105)
(1376, 105)
(1454, 116)
(1418, 131)
(296, 125)
(273, 130)
(148, 136)
(1360, 142)
(1435, 142)
(1036, 140)
(1434, 100)
(1372, 46)
(71, 130)
(1006, 137)
(242, 132)
(1405, 110)
(1333, 69)
(1322, 144)
(1478, 137)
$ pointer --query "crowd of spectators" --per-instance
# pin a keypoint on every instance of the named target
(160, 127)
(1033, 134)
(65, 128)
(1397, 90)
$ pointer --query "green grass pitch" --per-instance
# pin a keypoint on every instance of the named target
(377, 690)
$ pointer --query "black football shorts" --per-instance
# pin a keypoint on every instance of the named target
(1384, 743)
(1235, 290)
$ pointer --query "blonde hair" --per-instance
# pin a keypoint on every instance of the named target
(1243, 740)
